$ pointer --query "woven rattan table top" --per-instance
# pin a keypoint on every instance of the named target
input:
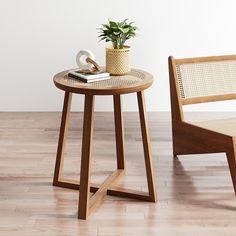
(135, 81)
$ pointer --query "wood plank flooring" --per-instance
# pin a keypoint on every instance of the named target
(195, 193)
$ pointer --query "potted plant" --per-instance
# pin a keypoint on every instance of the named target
(118, 54)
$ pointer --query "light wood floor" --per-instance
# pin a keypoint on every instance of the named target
(195, 193)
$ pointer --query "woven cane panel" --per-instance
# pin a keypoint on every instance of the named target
(130, 79)
(113, 82)
(206, 78)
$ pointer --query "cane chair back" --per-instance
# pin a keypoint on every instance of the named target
(206, 79)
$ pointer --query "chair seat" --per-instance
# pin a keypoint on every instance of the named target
(224, 126)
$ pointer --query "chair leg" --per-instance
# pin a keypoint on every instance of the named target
(86, 157)
(173, 142)
(119, 131)
(62, 138)
(146, 147)
(175, 156)
(231, 157)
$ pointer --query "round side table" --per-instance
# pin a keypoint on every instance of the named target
(134, 82)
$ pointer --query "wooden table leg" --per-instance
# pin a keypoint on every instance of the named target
(146, 147)
(62, 138)
(83, 210)
(86, 205)
(119, 130)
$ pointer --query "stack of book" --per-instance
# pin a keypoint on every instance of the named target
(88, 76)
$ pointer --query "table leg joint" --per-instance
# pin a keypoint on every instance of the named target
(107, 188)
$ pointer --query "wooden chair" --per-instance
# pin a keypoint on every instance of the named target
(199, 80)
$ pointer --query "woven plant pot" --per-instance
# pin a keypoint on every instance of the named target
(118, 60)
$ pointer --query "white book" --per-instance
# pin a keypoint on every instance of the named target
(89, 76)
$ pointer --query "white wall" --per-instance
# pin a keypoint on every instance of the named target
(41, 37)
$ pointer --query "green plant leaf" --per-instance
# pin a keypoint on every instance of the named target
(126, 30)
(124, 21)
(113, 24)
